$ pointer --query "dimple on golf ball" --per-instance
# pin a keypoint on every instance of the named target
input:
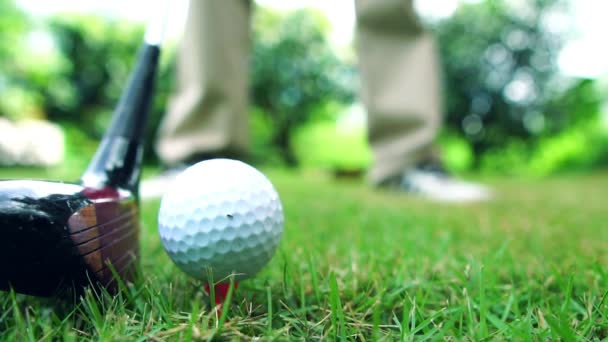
(220, 217)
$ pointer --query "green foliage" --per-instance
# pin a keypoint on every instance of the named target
(505, 102)
(500, 62)
(16, 100)
(79, 78)
(579, 148)
(12, 26)
(263, 151)
(100, 55)
(456, 153)
(294, 71)
(578, 104)
(74, 72)
(80, 147)
(577, 142)
(331, 139)
(511, 159)
(582, 147)
(332, 145)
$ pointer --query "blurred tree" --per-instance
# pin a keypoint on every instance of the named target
(501, 74)
(504, 94)
(12, 26)
(294, 71)
(15, 97)
(71, 69)
(101, 54)
(578, 104)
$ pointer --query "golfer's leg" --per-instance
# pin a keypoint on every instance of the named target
(400, 84)
(208, 112)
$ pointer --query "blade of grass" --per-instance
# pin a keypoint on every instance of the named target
(561, 328)
(483, 328)
(336, 308)
(376, 320)
(313, 278)
(269, 304)
(226, 307)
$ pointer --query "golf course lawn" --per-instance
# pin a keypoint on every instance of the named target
(361, 264)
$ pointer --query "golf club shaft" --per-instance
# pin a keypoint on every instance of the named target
(117, 162)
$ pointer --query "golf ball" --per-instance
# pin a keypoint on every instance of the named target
(220, 217)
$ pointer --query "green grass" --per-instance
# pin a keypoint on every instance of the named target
(358, 264)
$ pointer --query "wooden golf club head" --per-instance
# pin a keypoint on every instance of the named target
(58, 236)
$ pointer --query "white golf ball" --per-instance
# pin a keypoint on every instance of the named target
(223, 217)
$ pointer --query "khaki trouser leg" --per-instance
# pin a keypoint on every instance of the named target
(208, 113)
(400, 84)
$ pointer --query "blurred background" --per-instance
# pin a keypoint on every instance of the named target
(525, 82)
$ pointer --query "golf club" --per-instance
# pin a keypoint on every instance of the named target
(58, 237)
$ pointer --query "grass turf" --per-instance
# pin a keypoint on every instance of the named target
(358, 264)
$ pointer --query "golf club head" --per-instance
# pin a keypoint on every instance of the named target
(59, 237)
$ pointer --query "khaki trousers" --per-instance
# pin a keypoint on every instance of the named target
(400, 84)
